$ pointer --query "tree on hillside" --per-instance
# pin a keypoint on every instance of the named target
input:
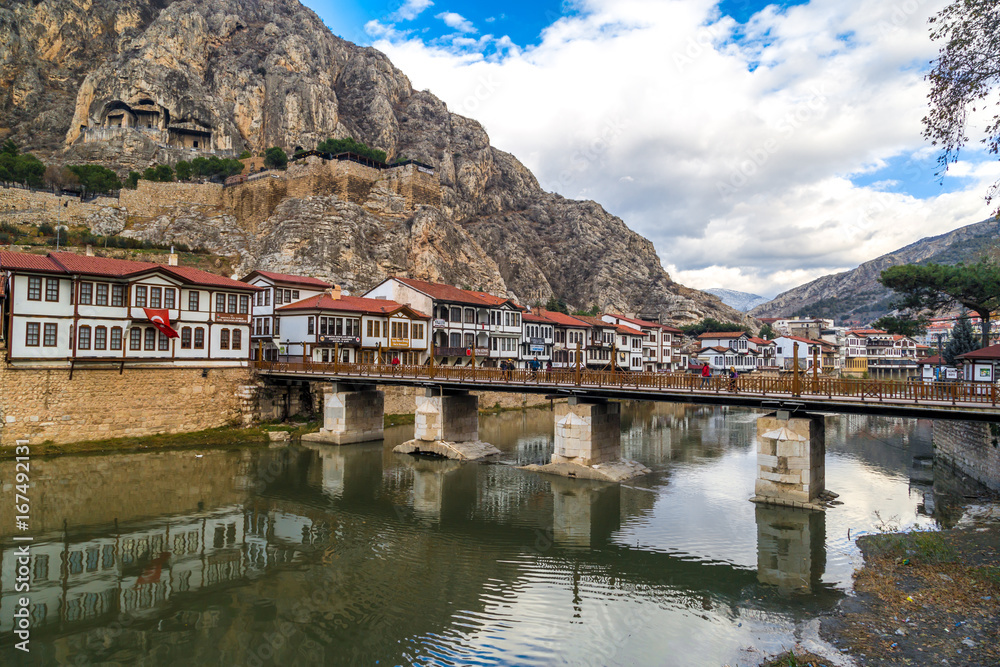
(963, 339)
(556, 305)
(711, 324)
(965, 77)
(904, 326)
(350, 145)
(95, 178)
(9, 148)
(931, 287)
(593, 311)
(767, 333)
(275, 158)
(183, 169)
(133, 180)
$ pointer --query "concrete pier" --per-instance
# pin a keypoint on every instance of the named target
(791, 461)
(447, 424)
(588, 442)
(351, 413)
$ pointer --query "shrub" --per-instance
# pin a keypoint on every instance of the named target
(275, 158)
(8, 228)
(350, 145)
(46, 229)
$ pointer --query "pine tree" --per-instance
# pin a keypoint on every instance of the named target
(963, 339)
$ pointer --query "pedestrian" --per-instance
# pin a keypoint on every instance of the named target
(535, 365)
(706, 375)
(395, 361)
(732, 379)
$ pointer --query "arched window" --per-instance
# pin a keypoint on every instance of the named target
(470, 340)
(455, 340)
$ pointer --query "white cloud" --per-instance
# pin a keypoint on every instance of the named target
(411, 9)
(456, 21)
(732, 155)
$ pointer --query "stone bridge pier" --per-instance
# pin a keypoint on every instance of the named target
(447, 424)
(351, 413)
(791, 461)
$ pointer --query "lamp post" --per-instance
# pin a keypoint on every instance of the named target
(939, 356)
(58, 228)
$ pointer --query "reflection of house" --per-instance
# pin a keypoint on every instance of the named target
(353, 329)
(73, 308)
(278, 289)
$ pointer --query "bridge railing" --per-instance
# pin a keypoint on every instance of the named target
(759, 385)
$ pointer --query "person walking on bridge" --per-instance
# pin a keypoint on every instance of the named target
(733, 375)
(706, 375)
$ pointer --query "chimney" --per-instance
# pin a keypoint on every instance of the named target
(90, 250)
(335, 292)
(172, 257)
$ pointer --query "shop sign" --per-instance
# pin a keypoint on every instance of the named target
(340, 340)
(440, 324)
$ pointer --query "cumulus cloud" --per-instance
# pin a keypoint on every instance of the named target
(735, 148)
(411, 9)
(456, 21)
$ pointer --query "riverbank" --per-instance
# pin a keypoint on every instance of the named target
(924, 598)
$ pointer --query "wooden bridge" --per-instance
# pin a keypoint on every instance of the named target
(972, 401)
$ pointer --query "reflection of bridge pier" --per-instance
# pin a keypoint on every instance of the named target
(347, 472)
(584, 512)
(791, 548)
(437, 483)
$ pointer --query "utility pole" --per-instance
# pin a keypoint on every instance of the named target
(578, 362)
(815, 369)
(795, 369)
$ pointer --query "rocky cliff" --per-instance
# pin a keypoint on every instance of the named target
(857, 295)
(248, 74)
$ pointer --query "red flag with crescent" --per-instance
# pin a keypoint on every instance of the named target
(161, 320)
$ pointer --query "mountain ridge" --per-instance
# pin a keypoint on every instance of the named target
(244, 74)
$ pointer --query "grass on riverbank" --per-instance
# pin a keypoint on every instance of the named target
(796, 658)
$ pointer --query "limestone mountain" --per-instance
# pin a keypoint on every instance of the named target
(857, 295)
(741, 301)
(127, 83)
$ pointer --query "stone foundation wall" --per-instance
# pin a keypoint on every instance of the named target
(46, 405)
(149, 198)
(587, 433)
(970, 447)
(25, 206)
(278, 403)
(402, 400)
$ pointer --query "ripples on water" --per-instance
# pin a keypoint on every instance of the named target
(355, 555)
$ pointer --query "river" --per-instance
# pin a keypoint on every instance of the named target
(321, 555)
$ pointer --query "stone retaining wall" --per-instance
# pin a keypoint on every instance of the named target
(25, 206)
(46, 405)
(149, 198)
(970, 447)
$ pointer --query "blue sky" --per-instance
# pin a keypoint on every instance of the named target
(758, 145)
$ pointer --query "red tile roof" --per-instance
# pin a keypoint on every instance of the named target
(71, 263)
(536, 317)
(651, 325)
(866, 332)
(562, 318)
(932, 361)
(760, 341)
(809, 341)
(991, 352)
(288, 278)
(446, 292)
(353, 304)
(595, 321)
(723, 334)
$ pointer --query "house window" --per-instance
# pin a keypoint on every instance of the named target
(193, 298)
(51, 335)
(155, 297)
(470, 316)
(118, 295)
(186, 338)
(220, 303)
(455, 340)
(83, 338)
(456, 315)
(267, 297)
(232, 303)
(34, 288)
(169, 296)
(199, 339)
(378, 329)
(31, 333)
(51, 289)
(371, 327)
(244, 304)
(135, 339)
(164, 342)
(140, 296)
(150, 342)
(224, 339)
(100, 338)
(470, 340)
(116, 338)
(278, 294)
(237, 339)
(86, 293)
(295, 295)
(102, 294)
(418, 331)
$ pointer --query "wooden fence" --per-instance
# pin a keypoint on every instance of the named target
(789, 386)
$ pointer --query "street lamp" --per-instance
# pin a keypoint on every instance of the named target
(939, 356)
(59, 227)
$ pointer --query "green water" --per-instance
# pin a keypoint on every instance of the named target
(325, 555)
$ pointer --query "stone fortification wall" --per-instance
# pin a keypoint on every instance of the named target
(45, 404)
(149, 198)
(25, 206)
(253, 202)
(970, 447)
(416, 186)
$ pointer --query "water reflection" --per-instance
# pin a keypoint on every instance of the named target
(318, 554)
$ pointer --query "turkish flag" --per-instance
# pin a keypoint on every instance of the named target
(161, 320)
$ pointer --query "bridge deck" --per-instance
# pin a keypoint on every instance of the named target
(940, 400)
